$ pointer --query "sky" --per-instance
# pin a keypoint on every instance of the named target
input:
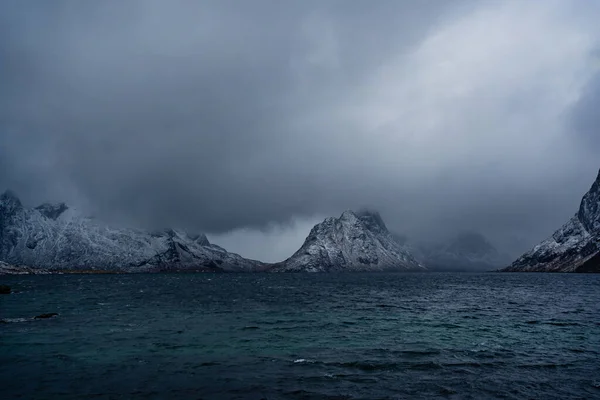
(253, 120)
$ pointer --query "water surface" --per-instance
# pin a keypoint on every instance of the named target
(302, 336)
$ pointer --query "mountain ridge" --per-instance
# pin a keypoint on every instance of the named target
(57, 237)
(575, 247)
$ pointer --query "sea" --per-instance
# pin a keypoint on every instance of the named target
(301, 336)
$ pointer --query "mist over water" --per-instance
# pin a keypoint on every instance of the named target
(286, 336)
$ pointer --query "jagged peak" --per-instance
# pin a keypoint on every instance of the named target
(171, 233)
(348, 215)
(371, 218)
(9, 195)
(9, 200)
(200, 238)
(52, 211)
(366, 212)
(355, 241)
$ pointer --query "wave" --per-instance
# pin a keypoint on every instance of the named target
(15, 320)
(561, 323)
(373, 366)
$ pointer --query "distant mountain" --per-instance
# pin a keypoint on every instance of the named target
(356, 241)
(467, 251)
(575, 247)
(55, 237)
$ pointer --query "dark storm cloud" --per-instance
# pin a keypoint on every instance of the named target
(586, 115)
(222, 115)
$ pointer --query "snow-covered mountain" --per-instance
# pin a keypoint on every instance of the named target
(57, 237)
(575, 247)
(356, 241)
(467, 251)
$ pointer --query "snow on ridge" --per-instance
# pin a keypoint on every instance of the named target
(57, 237)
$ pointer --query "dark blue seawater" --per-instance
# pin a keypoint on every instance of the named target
(302, 336)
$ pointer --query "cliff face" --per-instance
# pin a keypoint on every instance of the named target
(575, 247)
(56, 237)
(356, 241)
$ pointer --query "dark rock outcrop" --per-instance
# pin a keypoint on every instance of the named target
(5, 289)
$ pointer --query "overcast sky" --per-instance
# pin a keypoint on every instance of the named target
(252, 120)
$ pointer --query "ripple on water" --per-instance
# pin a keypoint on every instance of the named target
(293, 336)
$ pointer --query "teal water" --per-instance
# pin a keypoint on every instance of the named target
(301, 336)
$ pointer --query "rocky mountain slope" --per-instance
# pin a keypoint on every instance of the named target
(356, 241)
(575, 247)
(8, 269)
(55, 237)
(467, 251)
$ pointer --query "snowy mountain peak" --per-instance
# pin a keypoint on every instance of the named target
(575, 247)
(9, 202)
(372, 220)
(347, 215)
(356, 241)
(57, 237)
(200, 238)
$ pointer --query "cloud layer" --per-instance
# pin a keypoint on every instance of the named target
(259, 118)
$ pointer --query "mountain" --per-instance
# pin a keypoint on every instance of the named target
(356, 241)
(575, 247)
(8, 269)
(467, 251)
(56, 237)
